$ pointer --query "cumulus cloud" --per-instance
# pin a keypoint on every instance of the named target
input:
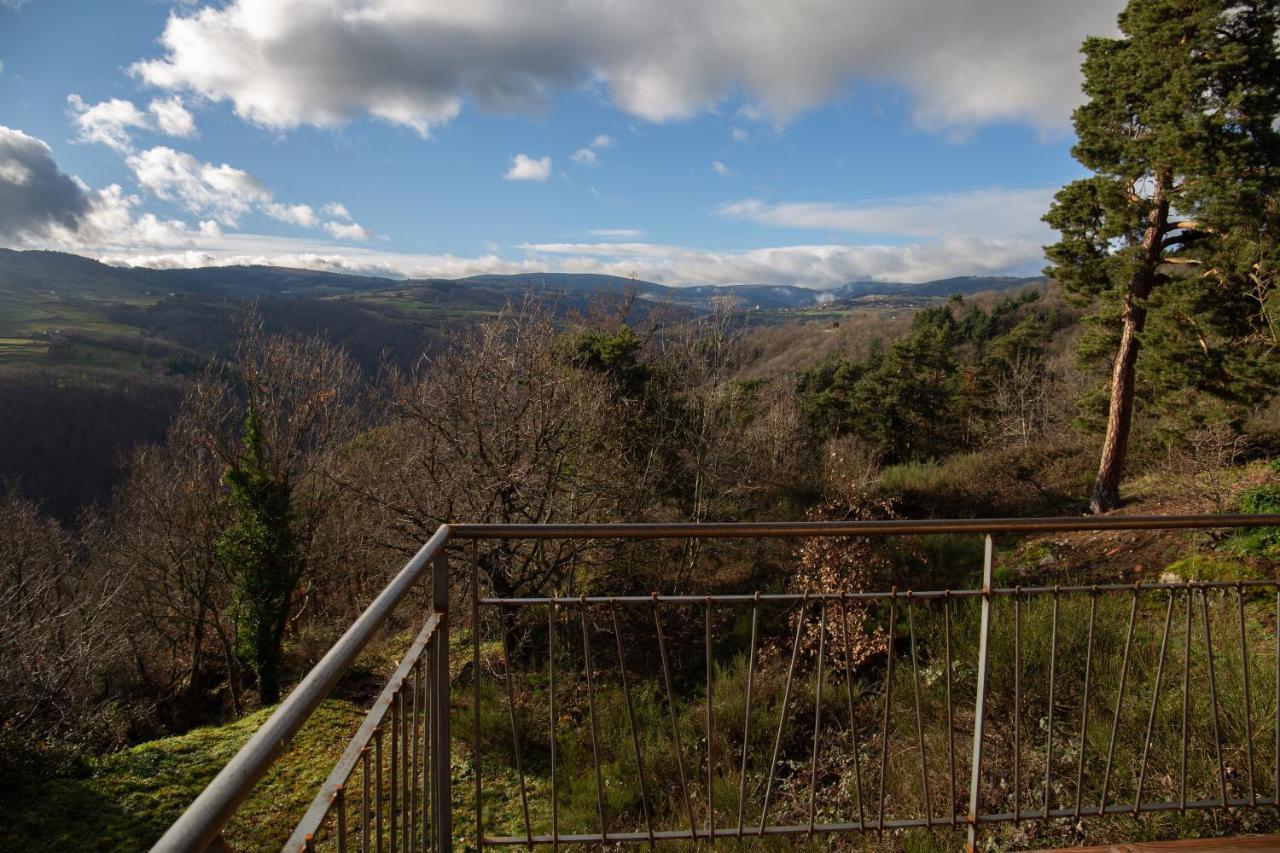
(348, 231)
(222, 192)
(616, 233)
(36, 197)
(172, 117)
(525, 168)
(111, 122)
(587, 155)
(721, 169)
(106, 123)
(283, 63)
(301, 215)
(337, 210)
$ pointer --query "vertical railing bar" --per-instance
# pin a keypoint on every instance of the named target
(631, 722)
(591, 716)
(746, 724)
(817, 717)
(515, 730)
(1017, 705)
(396, 704)
(1213, 695)
(412, 817)
(1115, 720)
(853, 718)
(671, 709)
(1248, 718)
(782, 717)
(979, 719)
(888, 703)
(475, 689)
(1084, 713)
(406, 836)
(915, 677)
(377, 813)
(429, 803)
(442, 791)
(364, 800)
(1186, 697)
(340, 807)
(1155, 703)
(711, 806)
(1053, 668)
(426, 747)
(551, 691)
(951, 731)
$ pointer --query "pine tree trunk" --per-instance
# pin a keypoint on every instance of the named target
(1106, 489)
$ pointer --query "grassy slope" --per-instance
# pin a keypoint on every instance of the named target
(126, 800)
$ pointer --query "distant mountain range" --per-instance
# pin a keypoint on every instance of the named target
(57, 271)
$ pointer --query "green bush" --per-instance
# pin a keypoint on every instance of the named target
(1258, 541)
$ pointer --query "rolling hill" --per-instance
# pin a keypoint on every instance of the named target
(58, 308)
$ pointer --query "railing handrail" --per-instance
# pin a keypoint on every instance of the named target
(204, 819)
(894, 527)
(202, 822)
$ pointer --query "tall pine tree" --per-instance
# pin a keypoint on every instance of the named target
(1180, 132)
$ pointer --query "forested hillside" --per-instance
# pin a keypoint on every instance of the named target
(102, 354)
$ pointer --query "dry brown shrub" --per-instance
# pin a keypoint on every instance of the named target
(841, 564)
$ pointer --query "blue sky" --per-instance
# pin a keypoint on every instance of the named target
(719, 141)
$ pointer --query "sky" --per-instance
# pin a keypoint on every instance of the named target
(811, 142)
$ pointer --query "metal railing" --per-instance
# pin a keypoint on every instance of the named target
(1027, 749)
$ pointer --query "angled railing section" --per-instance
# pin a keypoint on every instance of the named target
(976, 707)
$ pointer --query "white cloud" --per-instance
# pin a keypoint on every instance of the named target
(222, 192)
(301, 215)
(111, 122)
(1009, 214)
(283, 63)
(106, 123)
(616, 233)
(587, 154)
(721, 169)
(738, 134)
(337, 210)
(172, 117)
(348, 231)
(821, 265)
(525, 168)
(806, 265)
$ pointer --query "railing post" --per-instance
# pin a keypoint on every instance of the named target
(975, 780)
(441, 774)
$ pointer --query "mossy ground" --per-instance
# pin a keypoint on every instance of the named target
(125, 800)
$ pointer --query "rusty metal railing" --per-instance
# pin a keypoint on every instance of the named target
(974, 707)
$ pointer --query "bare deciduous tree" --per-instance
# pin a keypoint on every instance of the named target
(58, 640)
(495, 429)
